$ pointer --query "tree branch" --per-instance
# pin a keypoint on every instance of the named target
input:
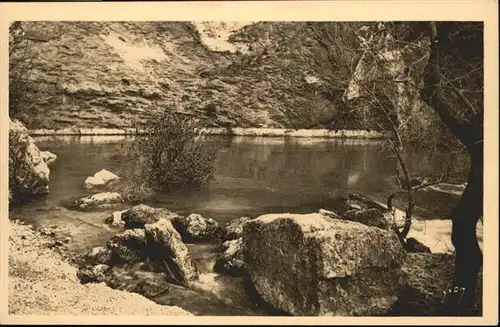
(433, 94)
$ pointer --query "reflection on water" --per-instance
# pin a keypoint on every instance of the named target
(254, 174)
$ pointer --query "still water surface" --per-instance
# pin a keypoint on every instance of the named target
(254, 174)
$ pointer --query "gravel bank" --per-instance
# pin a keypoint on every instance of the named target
(42, 283)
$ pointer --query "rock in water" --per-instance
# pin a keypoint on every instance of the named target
(115, 219)
(195, 228)
(231, 261)
(233, 229)
(140, 215)
(129, 246)
(100, 200)
(145, 283)
(28, 171)
(99, 255)
(359, 201)
(48, 157)
(314, 265)
(413, 245)
(150, 284)
(168, 253)
(95, 274)
(329, 213)
(362, 209)
(101, 178)
(100, 272)
(371, 217)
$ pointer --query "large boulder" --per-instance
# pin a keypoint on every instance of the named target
(167, 252)
(115, 219)
(233, 229)
(361, 202)
(100, 179)
(363, 209)
(28, 171)
(100, 200)
(195, 228)
(231, 261)
(140, 215)
(371, 217)
(315, 265)
(129, 246)
(99, 255)
(425, 277)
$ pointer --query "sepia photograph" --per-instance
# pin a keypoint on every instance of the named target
(253, 168)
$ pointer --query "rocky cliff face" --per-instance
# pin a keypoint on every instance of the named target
(107, 74)
(117, 74)
(288, 78)
(28, 170)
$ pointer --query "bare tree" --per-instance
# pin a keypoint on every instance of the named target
(395, 65)
(385, 75)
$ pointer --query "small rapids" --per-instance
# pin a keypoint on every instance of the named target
(211, 294)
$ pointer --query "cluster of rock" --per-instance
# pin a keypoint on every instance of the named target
(318, 264)
(231, 261)
(302, 264)
(29, 172)
(150, 252)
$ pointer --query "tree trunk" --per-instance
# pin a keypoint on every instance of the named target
(460, 300)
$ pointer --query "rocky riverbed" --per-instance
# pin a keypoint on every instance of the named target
(42, 281)
(147, 256)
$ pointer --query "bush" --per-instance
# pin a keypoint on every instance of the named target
(169, 156)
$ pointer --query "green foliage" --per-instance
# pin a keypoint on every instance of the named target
(170, 155)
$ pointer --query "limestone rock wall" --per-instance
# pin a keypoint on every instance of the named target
(28, 170)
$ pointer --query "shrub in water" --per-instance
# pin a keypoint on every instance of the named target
(169, 156)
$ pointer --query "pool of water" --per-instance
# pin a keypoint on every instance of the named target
(255, 175)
